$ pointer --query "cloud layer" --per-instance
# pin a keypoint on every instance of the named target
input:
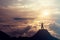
(10, 9)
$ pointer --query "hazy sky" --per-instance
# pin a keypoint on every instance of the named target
(32, 4)
(30, 8)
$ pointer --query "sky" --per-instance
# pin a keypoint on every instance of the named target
(10, 9)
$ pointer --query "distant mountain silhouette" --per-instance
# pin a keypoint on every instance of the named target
(4, 36)
(42, 34)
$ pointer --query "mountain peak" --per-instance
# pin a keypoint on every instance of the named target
(43, 34)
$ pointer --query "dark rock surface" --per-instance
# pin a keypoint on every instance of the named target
(42, 34)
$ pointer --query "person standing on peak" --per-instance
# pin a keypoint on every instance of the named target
(42, 26)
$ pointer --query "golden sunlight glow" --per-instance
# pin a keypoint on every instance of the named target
(45, 13)
(45, 17)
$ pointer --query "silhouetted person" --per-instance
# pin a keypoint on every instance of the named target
(42, 27)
